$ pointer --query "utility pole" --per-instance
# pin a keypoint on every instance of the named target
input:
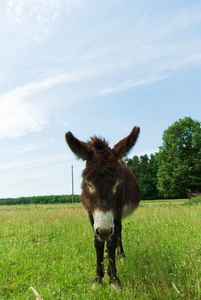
(72, 184)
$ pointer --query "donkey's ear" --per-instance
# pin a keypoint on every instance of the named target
(81, 149)
(125, 145)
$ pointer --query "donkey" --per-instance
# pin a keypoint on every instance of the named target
(110, 192)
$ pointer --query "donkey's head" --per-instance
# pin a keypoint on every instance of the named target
(102, 184)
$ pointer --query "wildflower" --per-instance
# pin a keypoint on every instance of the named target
(137, 242)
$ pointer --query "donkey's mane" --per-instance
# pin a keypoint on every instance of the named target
(98, 143)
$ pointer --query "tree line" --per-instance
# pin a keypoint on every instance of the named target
(52, 199)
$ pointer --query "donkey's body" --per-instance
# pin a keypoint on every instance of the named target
(109, 192)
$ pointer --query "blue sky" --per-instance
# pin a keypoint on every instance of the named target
(91, 67)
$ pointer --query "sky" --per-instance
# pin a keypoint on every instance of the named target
(92, 67)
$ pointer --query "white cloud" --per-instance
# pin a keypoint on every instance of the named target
(35, 146)
(132, 83)
(153, 48)
(35, 19)
(19, 115)
(41, 10)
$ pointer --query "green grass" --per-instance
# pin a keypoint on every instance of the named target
(50, 247)
(162, 201)
(194, 201)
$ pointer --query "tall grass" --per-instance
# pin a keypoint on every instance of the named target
(51, 249)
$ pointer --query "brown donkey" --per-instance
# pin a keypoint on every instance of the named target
(110, 192)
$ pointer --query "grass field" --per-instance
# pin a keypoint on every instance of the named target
(50, 247)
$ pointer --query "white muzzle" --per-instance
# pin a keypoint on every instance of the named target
(103, 224)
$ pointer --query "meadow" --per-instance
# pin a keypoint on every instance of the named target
(50, 247)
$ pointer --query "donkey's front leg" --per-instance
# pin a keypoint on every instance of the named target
(120, 250)
(99, 267)
(112, 271)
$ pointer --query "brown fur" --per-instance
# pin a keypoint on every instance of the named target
(108, 185)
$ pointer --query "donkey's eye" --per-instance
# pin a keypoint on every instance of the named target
(90, 186)
(88, 183)
(114, 189)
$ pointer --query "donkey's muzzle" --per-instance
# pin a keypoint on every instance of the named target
(104, 234)
(103, 224)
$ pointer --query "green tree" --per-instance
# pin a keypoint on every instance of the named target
(145, 170)
(144, 160)
(149, 180)
(134, 165)
(143, 164)
(179, 158)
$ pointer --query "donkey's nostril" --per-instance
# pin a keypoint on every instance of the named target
(103, 234)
